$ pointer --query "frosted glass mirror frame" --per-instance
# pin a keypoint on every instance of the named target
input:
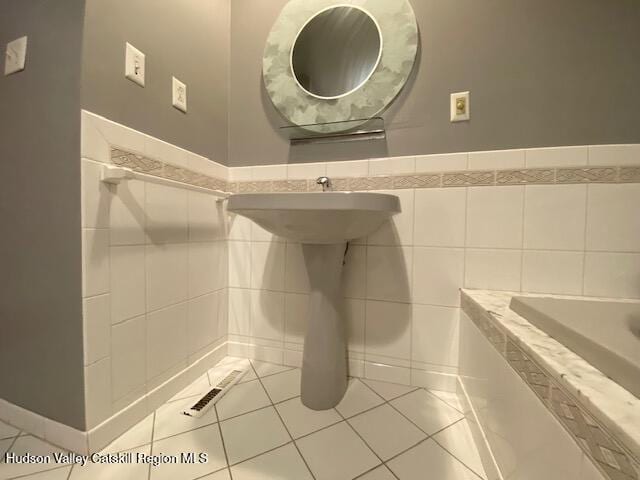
(396, 21)
(373, 68)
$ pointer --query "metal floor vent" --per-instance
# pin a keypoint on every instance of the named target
(215, 394)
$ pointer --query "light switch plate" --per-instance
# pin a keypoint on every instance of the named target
(460, 107)
(134, 65)
(179, 94)
(15, 56)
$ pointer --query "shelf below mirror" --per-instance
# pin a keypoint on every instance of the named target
(345, 131)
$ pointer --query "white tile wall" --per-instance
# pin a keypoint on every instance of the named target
(155, 265)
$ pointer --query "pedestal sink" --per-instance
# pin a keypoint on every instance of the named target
(323, 222)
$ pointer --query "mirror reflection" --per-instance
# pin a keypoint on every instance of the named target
(336, 52)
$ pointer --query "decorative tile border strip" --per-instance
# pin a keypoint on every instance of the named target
(605, 451)
(462, 178)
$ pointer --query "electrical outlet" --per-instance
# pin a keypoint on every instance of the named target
(15, 56)
(134, 65)
(460, 107)
(179, 95)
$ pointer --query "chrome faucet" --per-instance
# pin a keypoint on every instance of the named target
(325, 182)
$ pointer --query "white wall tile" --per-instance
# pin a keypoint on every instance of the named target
(614, 154)
(354, 311)
(269, 172)
(613, 222)
(554, 217)
(267, 265)
(239, 311)
(392, 166)
(202, 321)
(97, 328)
(239, 264)
(442, 162)
(165, 152)
(387, 373)
(127, 215)
(440, 216)
(96, 197)
(267, 314)
(494, 217)
(556, 157)
(128, 356)
(166, 339)
(207, 268)
(552, 272)
(128, 293)
(241, 174)
(497, 159)
(296, 308)
(354, 273)
(93, 144)
(435, 335)
(353, 168)
(206, 218)
(398, 230)
(97, 385)
(120, 136)
(437, 276)
(389, 273)
(167, 214)
(201, 164)
(493, 269)
(95, 262)
(388, 329)
(296, 276)
(307, 171)
(612, 275)
(167, 275)
(239, 228)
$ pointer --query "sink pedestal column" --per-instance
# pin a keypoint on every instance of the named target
(324, 362)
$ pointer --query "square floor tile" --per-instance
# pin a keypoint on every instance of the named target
(252, 434)
(426, 411)
(301, 420)
(34, 446)
(57, 474)
(121, 471)
(387, 390)
(428, 460)
(386, 431)
(247, 377)
(450, 398)
(220, 475)
(283, 463)
(203, 440)
(199, 387)
(7, 431)
(136, 436)
(4, 446)
(380, 473)
(283, 386)
(242, 398)
(357, 398)
(458, 441)
(264, 369)
(337, 453)
(170, 420)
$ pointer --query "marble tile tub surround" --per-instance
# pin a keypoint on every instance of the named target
(602, 417)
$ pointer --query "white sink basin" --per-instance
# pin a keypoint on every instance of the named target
(323, 222)
(322, 217)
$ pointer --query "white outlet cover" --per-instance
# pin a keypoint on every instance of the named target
(460, 117)
(134, 65)
(179, 94)
(15, 56)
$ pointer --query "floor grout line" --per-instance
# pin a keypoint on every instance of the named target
(282, 421)
(456, 457)
(224, 446)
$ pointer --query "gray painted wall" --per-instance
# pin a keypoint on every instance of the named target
(41, 362)
(188, 39)
(540, 72)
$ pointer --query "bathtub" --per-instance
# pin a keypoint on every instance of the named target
(606, 334)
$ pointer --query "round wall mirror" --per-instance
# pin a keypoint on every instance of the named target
(336, 51)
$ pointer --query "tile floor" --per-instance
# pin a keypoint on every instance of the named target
(261, 430)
